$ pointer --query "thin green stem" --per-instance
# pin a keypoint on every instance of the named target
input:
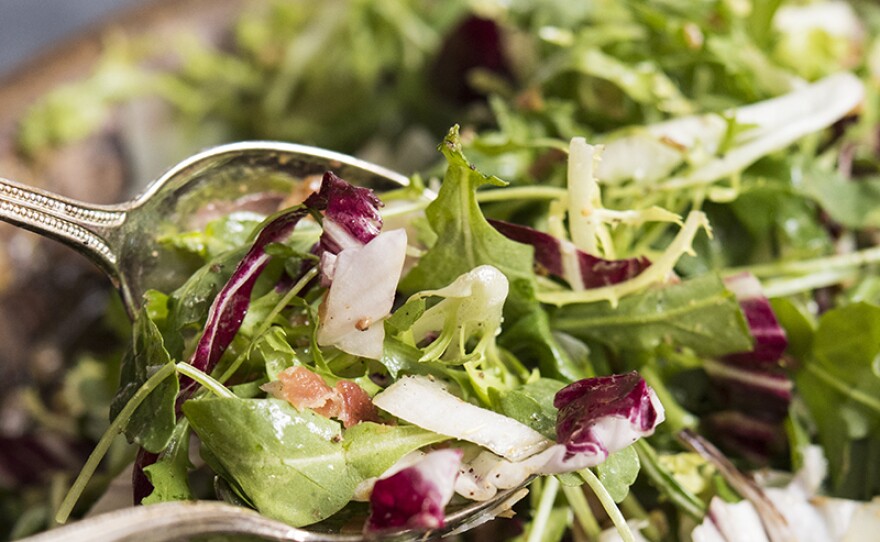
(117, 426)
(545, 506)
(512, 193)
(608, 504)
(686, 501)
(807, 283)
(393, 211)
(214, 386)
(844, 388)
(850, 260)
(582, 513)
(276, 310)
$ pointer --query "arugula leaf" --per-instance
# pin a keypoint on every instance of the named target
(290, 464)
(274, 351)
(532, 405)
(852, 203)
(372, 448)
(168, 475)
(619, 471)
(152, 424)
(532, 338)
(698, 313)
(840, 384)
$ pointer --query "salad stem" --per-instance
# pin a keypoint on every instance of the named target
(117, 426)
(657, 272)
(582, 513)
(774, 288)
(608, 504)
(548, 497)
(267, 321)
(850, 392)
(206, 381)
(689, 503)
(522, 192)
(850, 260)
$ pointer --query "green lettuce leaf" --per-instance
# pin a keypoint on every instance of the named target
(168, 474)
(839, 381)
(152, 424)
(290, 464)
(698, 313)
(372, 448)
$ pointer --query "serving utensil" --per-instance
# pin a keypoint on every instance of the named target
(125, 241)
(185, 521)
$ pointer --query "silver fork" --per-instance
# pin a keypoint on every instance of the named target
(124, 241)
(179, 521)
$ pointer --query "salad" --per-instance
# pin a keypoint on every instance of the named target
(640, 277)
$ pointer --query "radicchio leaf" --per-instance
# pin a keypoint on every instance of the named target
(745, 435)
(601, 415)
(770, 339)
(229, 308)
(353, 209)
(762, 393)
(564, 260)
(751, 387)
(351, 214)
(415, 497)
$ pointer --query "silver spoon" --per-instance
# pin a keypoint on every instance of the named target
(124, 241)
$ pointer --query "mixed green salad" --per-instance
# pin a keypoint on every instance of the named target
(640, 274)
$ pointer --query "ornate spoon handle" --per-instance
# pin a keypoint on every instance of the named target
(79, 226)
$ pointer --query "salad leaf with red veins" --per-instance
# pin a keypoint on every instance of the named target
(605, 414)
(415, 497)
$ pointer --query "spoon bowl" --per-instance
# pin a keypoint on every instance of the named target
(124, 240)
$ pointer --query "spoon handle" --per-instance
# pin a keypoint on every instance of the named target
(80, 226)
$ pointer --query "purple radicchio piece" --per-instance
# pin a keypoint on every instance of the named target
(351, 214)
(599, 416)
(562, 259)
(415, 497)
(750, 437)
(764, 393)
(770, 339)
(751, 388)
(229, 308)
(354, 209)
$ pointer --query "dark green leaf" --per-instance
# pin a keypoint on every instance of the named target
(403, 318)
(699, 313)
(372, 448)
(852, 203)
(532, 405)
(153, 422)
(290, 464)
(168, 475)
(466, 240)
(274, 351)
(840, 384)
